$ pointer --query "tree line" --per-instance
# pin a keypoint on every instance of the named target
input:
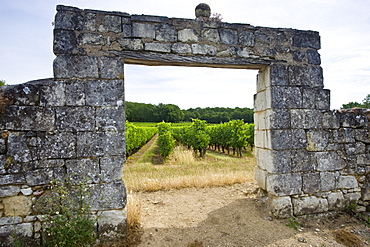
(365, 103)
(142, 112)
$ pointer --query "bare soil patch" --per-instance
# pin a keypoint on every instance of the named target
(235, 216)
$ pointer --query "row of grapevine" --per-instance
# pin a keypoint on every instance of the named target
(166, 142)
(136, 137)
(234, 134)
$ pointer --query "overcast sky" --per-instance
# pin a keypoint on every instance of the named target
(27, 37)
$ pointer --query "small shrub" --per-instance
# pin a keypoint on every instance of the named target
(293, 223)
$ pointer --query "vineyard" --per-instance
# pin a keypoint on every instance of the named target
(232, 136)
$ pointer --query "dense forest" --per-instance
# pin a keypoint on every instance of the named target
(141, 112)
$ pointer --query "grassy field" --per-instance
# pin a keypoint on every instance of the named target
(183, 170)
(148, 124)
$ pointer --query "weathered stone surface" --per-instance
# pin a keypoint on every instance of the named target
(158, 47)
(309, 205)
(75, 66)
(228, 36)
(329, 180)
(347, 182)
(306, 119)
(105, 93)
(288, 139)
(100, 144)
(83, 170)
(203, 49)
(278, 119)
(39, 176)
(57, 145)
(284, 184)
(211, 35)
(2, 164)
(329, 161)
(323, 99)
(75, 93)
(30, 118)
(302, 161)
(69, 20)
(107, 196)
(111, 23)
(17, 205)
(336, 201)
(53, 94)
(246, 38)
(187, 35)
(89, 39)
(110, 118)
(165, 32)
(181, 48)
(279, 75)
(281, 207)
(260, 176)
(9, 190)
(111, 169)
(10, 220)
(132, 44)
(309, 39)
(17, 147)
(111, 68)
(313, 57)
(75, 118)
(112, 224)
(344, 135)
(311, 182)
(65, 42)
(352, 197)
(142, 30)
(9, 179)
(286, 97)
(317, 140)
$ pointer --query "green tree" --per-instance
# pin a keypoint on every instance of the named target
(365, 104)
(2, 83)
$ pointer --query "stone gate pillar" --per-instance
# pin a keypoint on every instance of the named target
(95, 113)
(289, 107)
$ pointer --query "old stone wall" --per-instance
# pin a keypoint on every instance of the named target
(310, 159)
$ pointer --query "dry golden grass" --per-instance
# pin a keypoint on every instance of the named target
(133, 210)
(182, 170)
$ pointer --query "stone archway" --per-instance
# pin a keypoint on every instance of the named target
(310, 159)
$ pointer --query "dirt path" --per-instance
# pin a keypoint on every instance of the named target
(232, 216)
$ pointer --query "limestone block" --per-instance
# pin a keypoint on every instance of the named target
(328, 180)
(166, 33)
(244, 52)
(57, 145)
(277, 119)
(69, 20)
(75, 118)
(264, 79)
(281, 207)
(158, 47)
(262, 139)
(107, 196)
(75, 93)
(90, 144)
(306, 119)
(316, 77)
(142, 30)
(288, 139)
(355, 148)
(187, 35)
(352, 197)
(111, 23)
(347, 182)
(111, 169)
(110, 118)
(363, 159)
(17, 205)
(29, 118)
(25, 93)
(309, 96)
(299, 56)
(353, 120)
(112, 224)
(311, 182)
(228, 36)
(229, 52)
(317, 140)
(362, 135)
(302, 161)
(329, 161)
(9, 179)
(90, 22)
(111, 68)
(2, 164)
(53, 94)
(313, 57)
(263, 37)
(83, 170)
(181, 48)
(75, 66)
(323, 99)
(90, 39)
(307, 39)
(65, 42)
(286, 97)
(9, 190)
(336, 201)
(262, 100)
(39, 176)
(27, 191)
(131, 44)
(127, 31)
(260, 176)
(10, 220)
(284, 184)
(17, 147)
(203, 49)
(309, 205)
(343, 135)
(211, 35)
(331, 120)
(104, 93)
(279, 75)
(149, 18)
(246, 38)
